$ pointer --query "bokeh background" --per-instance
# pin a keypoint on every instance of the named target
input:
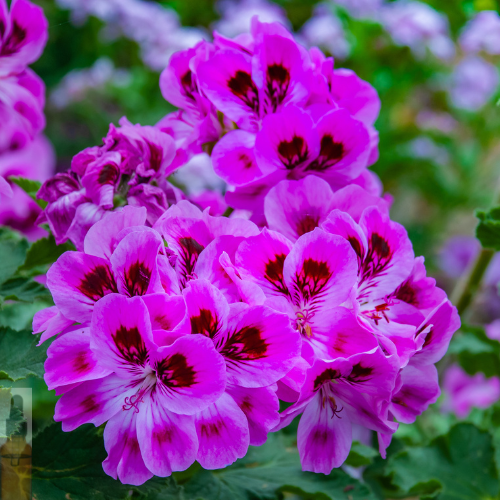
(435, 65)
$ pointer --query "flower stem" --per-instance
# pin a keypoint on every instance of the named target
(469, 283)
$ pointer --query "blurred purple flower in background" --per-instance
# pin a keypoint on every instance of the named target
(482, 33)
(418, 26)
(78, 82)
(324, 29)
(464, 391)
(156, 29)
(361, 8)
(236, 15)
(474, 83)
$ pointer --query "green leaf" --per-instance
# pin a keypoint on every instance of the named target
(476, 351)
(268, 471)
(13, 250)
(488, 229)
(43, 252)
(30, 187)
(20, 356)
(23, 289)
(69, 465)
(458, 465)
(360, 455)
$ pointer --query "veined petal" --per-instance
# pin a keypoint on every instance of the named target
(207, 309)
(323, 437)
(222, 433)
(190, 374)
(93, 401)
(261, 258)
(77, 281)
(259, 347)
(124, 461)
(168, 441)
(121, 335)
(261, 407)
(102, 238)
(134, 263)
(70, 360)
(320, 271)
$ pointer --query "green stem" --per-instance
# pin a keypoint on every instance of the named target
(468, 285)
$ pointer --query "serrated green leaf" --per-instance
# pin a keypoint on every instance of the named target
(360, 455)
(268, 471)
(13, 250)
(69, 465)
(20, 356)
(488, 229)
(23, 289)
(460, 462)
(30, 187)
(43, 252)
(476, 352)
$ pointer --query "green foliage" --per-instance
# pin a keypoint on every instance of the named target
(68, 465)
(457, 465)
(360, 455)
(20, 356)
(488, 229)
(13, 250)
(476, 352)
(43, 252)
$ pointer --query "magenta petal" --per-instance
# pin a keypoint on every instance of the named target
(70, 360)
(323, 438)
(344, 146)
(320, 269)
(437, 330)
(121, 335)
(166, 312)
(86, 215)
(207, 308)
(419, 388)
(389, 257)
(134, 263)
(259, 347)
(93, 401)
(277, 69)
(124, 459)
(261, 408)
(168, 441)
(297, 207)
(234, 160)
(337, 333)
(222, 433)
(354, 199)
(226, 80)
(50, 321)
(287, 142)
(5, 188)
(77, 281)
(102, 238)
(190, 374)
(261, 258)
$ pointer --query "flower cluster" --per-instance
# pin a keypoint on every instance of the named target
(23, 34)
(182, 330)
(130, 167)
(271, 110)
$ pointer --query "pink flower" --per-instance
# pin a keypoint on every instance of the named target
(23, 34)
(463, 391)
(132, 164)
(146, 393)
(259, 348)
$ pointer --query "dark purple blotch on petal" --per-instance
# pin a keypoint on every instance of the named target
(175, 372)
(16, 37)
(274, 273)
(245, 345)
(313, 278)
(137, 278)
(331, 152)
(243, 87)
(98, 283)
(131, 346)
(327, 376)
(205, 323)
(293, 153)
